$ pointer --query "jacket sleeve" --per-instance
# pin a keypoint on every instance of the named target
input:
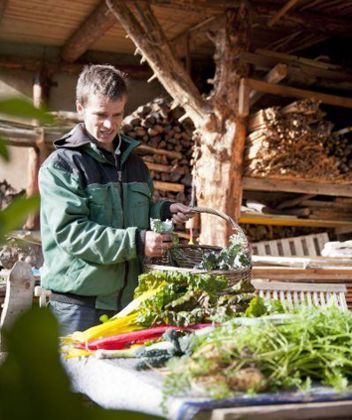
(64, 208)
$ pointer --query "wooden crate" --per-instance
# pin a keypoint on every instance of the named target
(300, 246)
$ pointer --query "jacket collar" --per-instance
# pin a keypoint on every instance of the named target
(78, 137)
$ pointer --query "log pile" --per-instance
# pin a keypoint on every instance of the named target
(166, 147)
(291, 141)
(339, 145)
(257, 233)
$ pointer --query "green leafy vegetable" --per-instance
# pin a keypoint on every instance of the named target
(312, 345)
(236, 255)
(185, 298)
(159, 226)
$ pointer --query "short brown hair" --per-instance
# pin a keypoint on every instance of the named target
(101, 79)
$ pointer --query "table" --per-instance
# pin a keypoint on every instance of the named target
(115, 384)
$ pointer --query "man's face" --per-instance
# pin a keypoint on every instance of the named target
(102, 118)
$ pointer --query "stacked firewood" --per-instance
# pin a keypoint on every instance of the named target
(166, 147)
(290, 141)
(339, 145)
(256, 233)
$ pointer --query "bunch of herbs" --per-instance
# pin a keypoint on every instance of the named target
(314, 345)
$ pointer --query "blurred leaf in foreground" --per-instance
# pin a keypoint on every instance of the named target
(16, 213)
(22, 108)
(4, 151)
(33, 383)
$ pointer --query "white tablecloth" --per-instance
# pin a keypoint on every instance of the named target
(115, 384)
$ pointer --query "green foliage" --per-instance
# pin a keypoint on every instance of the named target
(4, 151)
(33, 384)
(22, 108)
(185, 298)
(312, 345)
(15, 214)
(259, 307)
(159, 226)
(234, 256)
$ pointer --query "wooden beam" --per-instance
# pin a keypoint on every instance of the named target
(264, 59)
(332, 275)
(9, 62)
(197, 34)
(277, 220)
(309, 21)
(243, 99)
(284, 9)
(298, 93)
(148, 37)
(301, 262)
(275, 75)
(294, 201)
(94, 27)
(37, 154)
(296, 185)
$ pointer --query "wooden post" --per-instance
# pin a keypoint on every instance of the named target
(219, 167)
(38, 153)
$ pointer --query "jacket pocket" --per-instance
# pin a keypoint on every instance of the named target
(139, 204)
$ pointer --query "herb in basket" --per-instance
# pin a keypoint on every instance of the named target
(235, 256)
(166, 226)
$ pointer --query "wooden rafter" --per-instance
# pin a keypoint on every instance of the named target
(96, 24)
(197, 33)
(8, 62)
(155, 48)
(287, 6)
(309, 21)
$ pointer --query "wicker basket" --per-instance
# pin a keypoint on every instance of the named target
(184, 257)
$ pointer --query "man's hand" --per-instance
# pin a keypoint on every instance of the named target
(156, 244)
(181, 213)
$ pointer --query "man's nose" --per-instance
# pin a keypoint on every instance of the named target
(107, 123)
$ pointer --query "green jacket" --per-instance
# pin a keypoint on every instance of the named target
(95, 207)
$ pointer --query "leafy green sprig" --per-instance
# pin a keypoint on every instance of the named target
(314, 345)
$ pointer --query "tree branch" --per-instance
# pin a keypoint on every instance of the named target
(149, 38)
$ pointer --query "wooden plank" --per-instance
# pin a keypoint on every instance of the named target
(331, 275)
(296, 185)
(310, 246)
(243, 99)
(266, 219)
(169, 186)
(262, 60)
(298, 246)
(300, 262)
(93, 27)
(271, 88)
(286, 247)
(275, 75)
(282, 11)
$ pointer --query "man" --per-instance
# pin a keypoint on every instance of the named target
(96, 203)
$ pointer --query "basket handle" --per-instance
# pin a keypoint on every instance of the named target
(238, 230)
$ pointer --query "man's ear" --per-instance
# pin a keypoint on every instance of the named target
(79, 107)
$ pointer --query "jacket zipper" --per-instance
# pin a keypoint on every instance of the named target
(119, 178)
